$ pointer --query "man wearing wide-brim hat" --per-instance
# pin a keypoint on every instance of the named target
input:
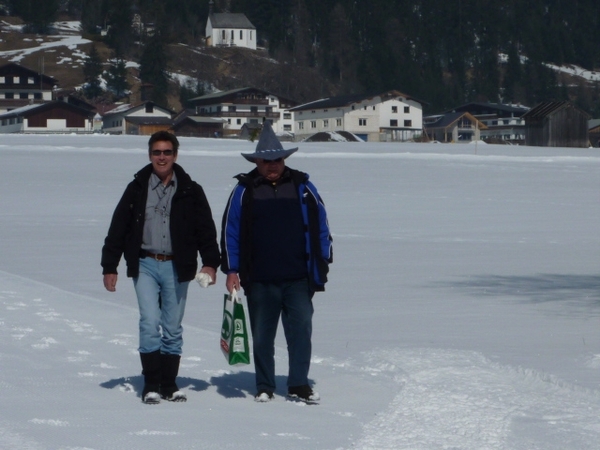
(276, 245)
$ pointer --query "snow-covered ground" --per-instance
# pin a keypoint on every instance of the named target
(462, 310)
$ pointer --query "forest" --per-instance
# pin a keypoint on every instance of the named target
(445, 53)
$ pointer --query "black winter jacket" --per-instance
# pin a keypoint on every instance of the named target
(192, 227)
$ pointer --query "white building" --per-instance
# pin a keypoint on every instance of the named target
(229, 29)
(246, 106)
(390, 116)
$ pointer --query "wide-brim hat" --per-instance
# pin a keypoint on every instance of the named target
(268, 146)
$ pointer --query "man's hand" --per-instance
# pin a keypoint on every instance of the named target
(110, 282)
(232, 282)
(211, 272)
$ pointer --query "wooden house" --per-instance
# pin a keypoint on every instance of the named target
(556, 124)
(143, 118)
(453, 127)
(50, 117)
(186, 123)
(20, 86)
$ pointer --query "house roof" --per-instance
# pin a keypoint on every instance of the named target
(121, 109)
(17, 69)
(594, 123)
(515, 109)
(217, 95)
(230, 20)
(26, 111)
(347, 100)
(544, 109)
(447, 120)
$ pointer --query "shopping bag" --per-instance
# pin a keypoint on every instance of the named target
(234, 331)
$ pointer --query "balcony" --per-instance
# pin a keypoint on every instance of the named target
(268, 115)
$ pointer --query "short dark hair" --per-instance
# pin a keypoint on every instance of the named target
(163, 136)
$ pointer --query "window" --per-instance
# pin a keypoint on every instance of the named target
(23, 95)
(393, 123)
(408, 123)
(228, 121)
(338, 122)
(223, 35)
(149, 108)
(254, 109)
(394, 109)
(301, 125)
(287, 128)
(232, 37)
(313, 124)
(325, 123)
(239, 121)
(362, 122)
(407, 109)
(241, 35)
(9, 95)
(232, 108)
(287, 116)
(30, 80)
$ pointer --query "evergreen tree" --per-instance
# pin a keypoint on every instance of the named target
(119, 19)
(92, 69)
(38, 15)
(153, 69)
(189, 90)
(117, 79)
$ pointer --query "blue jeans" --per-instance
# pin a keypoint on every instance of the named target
(161, 299)
(292, 300)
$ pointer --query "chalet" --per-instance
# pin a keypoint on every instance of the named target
(144, 118)
(50, 117)
(504, 122)
(390, 116)
(594, 132)
(453, 127)
(556, 124)
(20, 86)
(187, 123)
(229, 29)
(245, 106)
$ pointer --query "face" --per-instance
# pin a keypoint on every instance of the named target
(270, 169)
(161, 163)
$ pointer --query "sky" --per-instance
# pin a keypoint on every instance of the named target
(461, 313)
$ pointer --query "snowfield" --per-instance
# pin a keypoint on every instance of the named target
(462, 309)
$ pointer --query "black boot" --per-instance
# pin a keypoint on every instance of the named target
(168, 387)
(151, 369)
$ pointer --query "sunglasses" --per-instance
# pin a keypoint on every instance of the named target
(163, 152)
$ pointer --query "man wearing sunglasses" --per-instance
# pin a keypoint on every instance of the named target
(276, 244)
(160, 225)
